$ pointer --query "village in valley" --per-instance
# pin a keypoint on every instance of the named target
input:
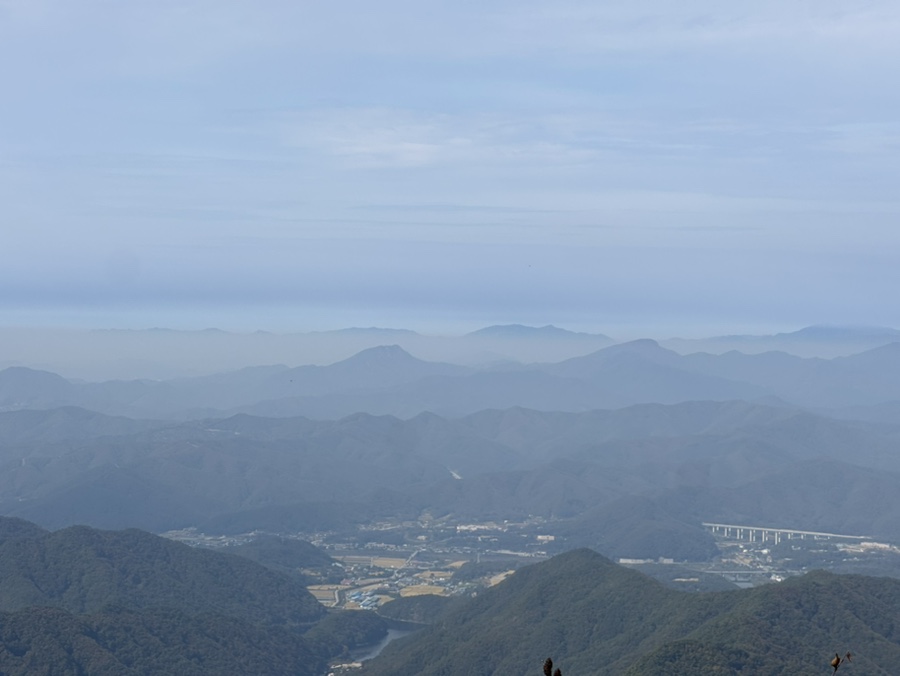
(392, 560)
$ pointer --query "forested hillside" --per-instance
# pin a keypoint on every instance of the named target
(83, 601)
(632, 482)
(597, 618)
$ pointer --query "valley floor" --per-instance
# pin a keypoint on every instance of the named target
(403, 559)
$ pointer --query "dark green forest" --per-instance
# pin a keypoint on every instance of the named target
(85, 601)
(597, 618)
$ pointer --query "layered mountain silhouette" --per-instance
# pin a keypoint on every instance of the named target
(165, 354)
(387, 380)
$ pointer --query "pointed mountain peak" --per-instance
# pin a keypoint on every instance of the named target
(639, 344)
(643, 347)
(643, 350)
(382, 354)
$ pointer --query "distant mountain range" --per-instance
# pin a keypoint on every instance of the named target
(594, 617)
(518, 331)
(162, 354)
(630, 446)
(388, 380)
(811, 341)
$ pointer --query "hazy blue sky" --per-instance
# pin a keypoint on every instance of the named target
(670, 166)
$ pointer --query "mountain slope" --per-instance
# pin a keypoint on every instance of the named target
(596, 618)
(154, 642)
(505, 464)
(83, 570)
(83, 601)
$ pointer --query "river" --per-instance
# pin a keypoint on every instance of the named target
(371, 651)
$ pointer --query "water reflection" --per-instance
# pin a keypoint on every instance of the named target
(372, 651)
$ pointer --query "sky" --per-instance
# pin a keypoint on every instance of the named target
(673, 168)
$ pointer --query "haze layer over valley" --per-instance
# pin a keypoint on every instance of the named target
(629, 447)
(424, 482)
